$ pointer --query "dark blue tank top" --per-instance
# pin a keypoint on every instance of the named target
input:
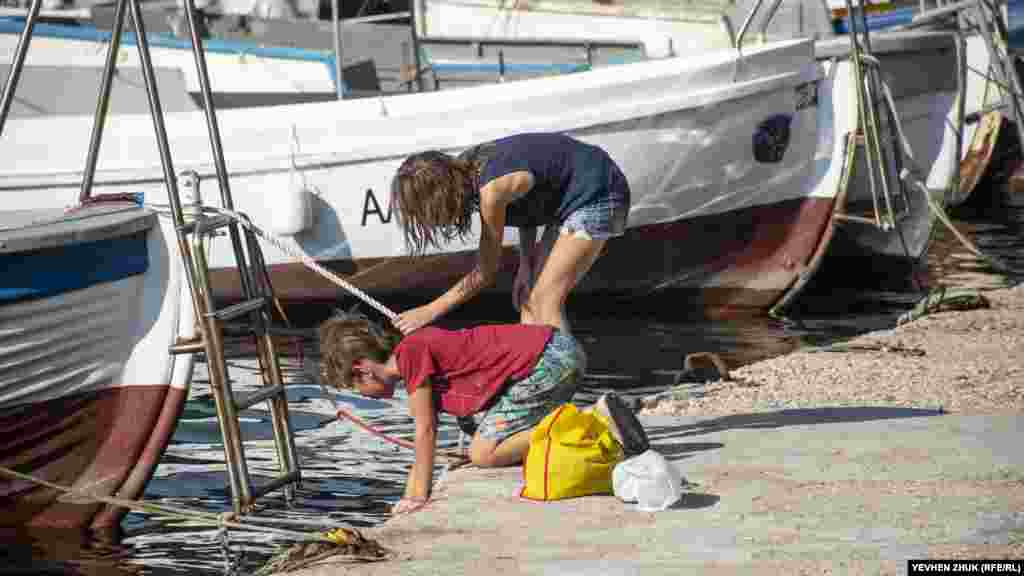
(566, 173)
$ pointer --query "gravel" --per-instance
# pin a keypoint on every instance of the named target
(969, 361)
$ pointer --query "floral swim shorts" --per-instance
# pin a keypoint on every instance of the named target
(526, 402)
(605, 216)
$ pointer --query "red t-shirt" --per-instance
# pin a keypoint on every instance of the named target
(468, 367)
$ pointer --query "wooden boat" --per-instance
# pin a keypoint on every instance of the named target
(736, 161)
(692, 27)
(91, 299)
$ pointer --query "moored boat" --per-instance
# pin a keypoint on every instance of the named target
(90, 301)
(735, 161)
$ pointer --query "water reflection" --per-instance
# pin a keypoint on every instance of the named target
(66, 552)
(351, 477)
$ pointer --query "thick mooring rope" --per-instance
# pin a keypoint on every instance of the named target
(210, 518)
(306, 260)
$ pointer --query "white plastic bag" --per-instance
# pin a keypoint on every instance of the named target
(649, 480)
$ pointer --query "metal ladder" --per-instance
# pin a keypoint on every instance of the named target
(988, 16)
(883, 161)
(191, 226)
(1003, 73)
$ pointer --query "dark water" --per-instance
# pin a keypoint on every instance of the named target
(352, 478)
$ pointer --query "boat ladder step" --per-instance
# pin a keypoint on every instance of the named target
(239, 309)
(251, 317)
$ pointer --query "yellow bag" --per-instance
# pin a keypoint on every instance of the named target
(571, 454)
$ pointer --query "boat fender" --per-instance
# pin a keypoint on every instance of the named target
(291, 211)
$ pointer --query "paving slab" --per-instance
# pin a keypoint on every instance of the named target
(812, 491)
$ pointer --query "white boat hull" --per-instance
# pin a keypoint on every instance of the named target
(708, 215)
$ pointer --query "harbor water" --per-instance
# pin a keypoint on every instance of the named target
(352, 478)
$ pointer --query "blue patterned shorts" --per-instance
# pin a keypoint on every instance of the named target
(526, 402)
(605, 217)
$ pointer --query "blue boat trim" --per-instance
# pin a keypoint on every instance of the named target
(51, 271)
(887, 19)
(89, 33)
(520, 67)
(14, 25)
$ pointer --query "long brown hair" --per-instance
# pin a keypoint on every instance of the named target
(434, 196)
(347, 337)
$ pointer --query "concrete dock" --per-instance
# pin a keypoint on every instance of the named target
(812, 491)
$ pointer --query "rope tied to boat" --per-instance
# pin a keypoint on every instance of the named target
(306, 260)
(944, 299)
(338, 544)
(458, 458)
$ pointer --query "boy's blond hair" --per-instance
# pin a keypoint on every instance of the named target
(348, 337)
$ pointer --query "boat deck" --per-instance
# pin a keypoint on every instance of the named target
(30, 230)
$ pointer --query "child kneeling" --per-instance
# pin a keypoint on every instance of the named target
(505, 378)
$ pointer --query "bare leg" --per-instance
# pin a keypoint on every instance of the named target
(547, 241)
(489, 454)
(562, 266)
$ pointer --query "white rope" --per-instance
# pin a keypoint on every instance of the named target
(307, 261)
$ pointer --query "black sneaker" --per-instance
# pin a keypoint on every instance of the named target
(631, 432)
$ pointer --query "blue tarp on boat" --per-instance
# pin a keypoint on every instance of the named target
(51, 271)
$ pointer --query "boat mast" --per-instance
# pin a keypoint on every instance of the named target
(339, 82)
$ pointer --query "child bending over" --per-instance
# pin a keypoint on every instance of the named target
(573, 189)
(505, 378)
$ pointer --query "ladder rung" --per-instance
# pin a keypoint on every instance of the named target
(287, 331)
(931, 15)
(240, 309)
(187, 346)
(852, 218)
(276, 483)
(243, 401)
(277, 330)
(209, 223)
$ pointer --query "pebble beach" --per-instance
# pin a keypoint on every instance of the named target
(966, 361)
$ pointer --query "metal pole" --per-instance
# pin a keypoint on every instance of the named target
(405, 67)
(416, 47)
(961, 96)
(284, 441)
(1009, 65)
(156, 112)
(155, 108)
(746, 23)
(215, 143)
(997, 61)
(227, 415)
(18, 63)
(102, 103)
(864, 23)
(339, 82)
(768, 19)
(863, 104)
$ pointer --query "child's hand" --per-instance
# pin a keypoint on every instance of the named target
(410, 320)
(408, 505)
